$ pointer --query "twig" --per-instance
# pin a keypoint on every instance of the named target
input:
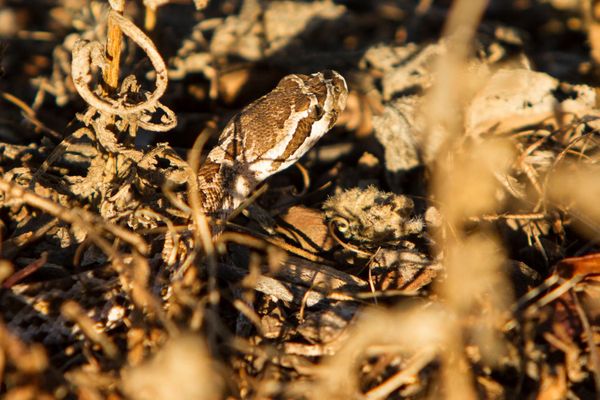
(305, 180)
(496, 217)
(589, 336)
(25, 272)
(29, 114)
(73, 312)
(345, 245)
(283, 245)
(255, 195)
(12, 246)
(563, 288)
(114, 42)
(402, 377)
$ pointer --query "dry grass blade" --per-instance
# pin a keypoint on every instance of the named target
(30, 114)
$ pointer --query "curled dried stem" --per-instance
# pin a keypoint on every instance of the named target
(88, 54)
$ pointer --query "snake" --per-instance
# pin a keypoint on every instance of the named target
(269, 135)
(265, 137)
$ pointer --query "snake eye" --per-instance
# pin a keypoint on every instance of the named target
(318, 110)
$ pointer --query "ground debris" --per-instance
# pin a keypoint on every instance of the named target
(440, 242)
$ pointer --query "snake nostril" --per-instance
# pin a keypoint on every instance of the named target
(328, 74)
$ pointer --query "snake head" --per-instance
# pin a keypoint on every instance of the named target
(275, 131)
(336, 85)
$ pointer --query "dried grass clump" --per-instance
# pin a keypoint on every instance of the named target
(372, 217)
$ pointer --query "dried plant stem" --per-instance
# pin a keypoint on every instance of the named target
(255, 195)
(73, 312)
(279, 243)
(27, 358)
(591, 10)
(113, 54)
(404, 376)
(202, 232)
(30, 115)
(150, 18)
(496, 217)
(12, 246)
(589, 334)
(445, 100)
(26, 271)
(86, 54)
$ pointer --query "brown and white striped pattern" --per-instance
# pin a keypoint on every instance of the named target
(269, 135)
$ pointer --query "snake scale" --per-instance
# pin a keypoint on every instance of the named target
(267, 136)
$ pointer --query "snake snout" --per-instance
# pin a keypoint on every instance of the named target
(339, 88)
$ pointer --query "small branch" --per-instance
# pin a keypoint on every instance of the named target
(86, 54)
(589, 334)
(113, 50)
(29, 114)
(405, 376)
(26, 271)
(73, 312)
